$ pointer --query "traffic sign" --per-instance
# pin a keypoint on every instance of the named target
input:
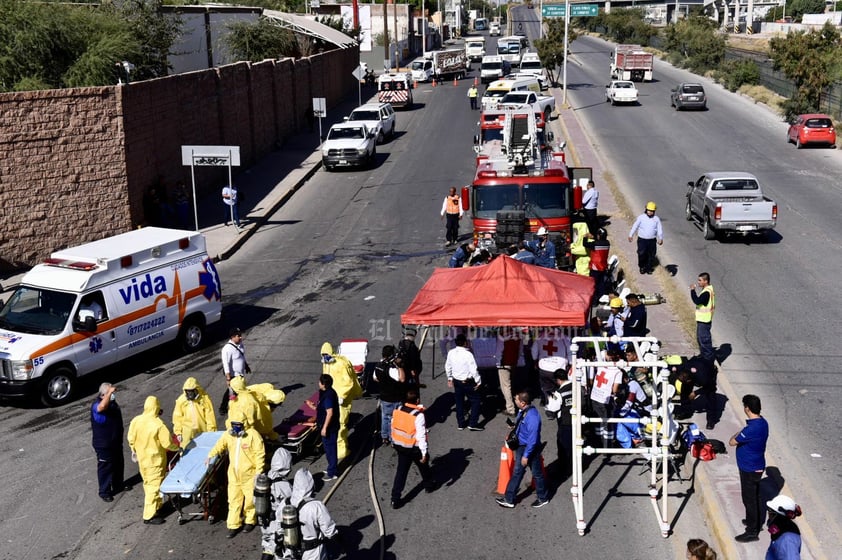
(576, 10)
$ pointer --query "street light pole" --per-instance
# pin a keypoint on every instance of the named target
(541, 20)
(564, 70)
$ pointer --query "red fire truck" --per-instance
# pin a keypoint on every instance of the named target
(520, 187)
(491, 124)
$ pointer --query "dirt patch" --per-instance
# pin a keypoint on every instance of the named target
(763, 95)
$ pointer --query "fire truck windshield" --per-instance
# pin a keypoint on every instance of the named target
(489, 134)
(537, 200)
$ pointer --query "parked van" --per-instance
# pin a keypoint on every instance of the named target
(90, 306)
(492, 68)
(497, 89)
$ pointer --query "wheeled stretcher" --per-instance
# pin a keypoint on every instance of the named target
(191, 479)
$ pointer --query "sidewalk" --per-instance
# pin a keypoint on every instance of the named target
(718, 485)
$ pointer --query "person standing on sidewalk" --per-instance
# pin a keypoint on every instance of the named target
(473, 92)
(463, 377)
(650, 234)
(451, 210)
(528, 454)
(409, 435)
(751, 461)
(705, 302)
(232, 203)
(590, 202)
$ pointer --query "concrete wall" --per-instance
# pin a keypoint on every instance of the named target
(77, 162)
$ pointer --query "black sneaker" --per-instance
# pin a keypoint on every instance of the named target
(396, 504)
(248, 528)
(503, 503)
(747, 537)
(154, 521)
(107, 498)
(460, 428)
(539, 504)
(476, 428)
(233, 533)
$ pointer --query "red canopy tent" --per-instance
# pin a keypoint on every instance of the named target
(505, 292)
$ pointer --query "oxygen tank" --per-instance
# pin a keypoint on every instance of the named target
(262, 493)
(291, 527)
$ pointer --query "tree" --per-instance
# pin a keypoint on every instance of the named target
(811, 61)
(256, 41)
(695, 43)
(551, 47)
(797, 8)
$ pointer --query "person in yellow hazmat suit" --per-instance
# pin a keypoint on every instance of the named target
(243, 402)
(193, 413)
(578, 250)
(246, 458)
(268, 399)
(150, 439)
(347, 387)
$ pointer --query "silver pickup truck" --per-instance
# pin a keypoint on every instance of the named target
(730, 201)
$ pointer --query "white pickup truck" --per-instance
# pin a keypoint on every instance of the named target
(520, 99)
(621, 91)
(730, 201)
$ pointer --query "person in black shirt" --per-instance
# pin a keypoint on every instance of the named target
(391, 377)
(635, 323)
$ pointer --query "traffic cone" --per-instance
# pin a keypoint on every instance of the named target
(455, 83)
(434, 82)
(415, 84)
(507, 463)
(475, 82)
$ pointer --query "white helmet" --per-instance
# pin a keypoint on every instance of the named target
(542, 231)
(782, 504)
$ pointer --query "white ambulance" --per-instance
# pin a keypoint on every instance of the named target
(90, 306)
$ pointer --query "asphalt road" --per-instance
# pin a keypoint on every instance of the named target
(342, 259)
(776, 313)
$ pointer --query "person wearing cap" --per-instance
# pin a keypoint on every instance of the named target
(615, 323)
(786, 537)
(234, 364)
(543, 248)
(650, 234)
(751, 462)
(635, 323)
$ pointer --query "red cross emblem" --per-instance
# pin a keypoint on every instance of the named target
(601, 379)
(550, 348)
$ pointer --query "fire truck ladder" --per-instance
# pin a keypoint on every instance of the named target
(520, 138)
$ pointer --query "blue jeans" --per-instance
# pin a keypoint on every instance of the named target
(461, 391)
(386, 411)
(705, 341)
(329, 444)
(534, 463)
(232, 209)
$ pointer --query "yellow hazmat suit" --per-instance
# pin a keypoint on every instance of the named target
(246, 456)
(150, 439)
(245, 403)
(192, 417)
(347, 387)
(578, 250)
(267, 397)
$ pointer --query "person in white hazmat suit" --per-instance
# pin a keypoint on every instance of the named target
(317, 526)
(280, 490)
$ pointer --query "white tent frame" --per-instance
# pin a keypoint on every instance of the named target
(656, 450)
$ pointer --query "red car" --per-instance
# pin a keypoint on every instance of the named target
(811, 129)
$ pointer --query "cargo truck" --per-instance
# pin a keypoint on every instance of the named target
(631, 62)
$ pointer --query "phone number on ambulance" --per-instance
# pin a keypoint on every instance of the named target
(146, 326)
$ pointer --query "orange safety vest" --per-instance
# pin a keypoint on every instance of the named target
(403, 425)
(452, 204)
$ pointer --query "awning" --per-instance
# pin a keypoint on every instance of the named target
(307, 26)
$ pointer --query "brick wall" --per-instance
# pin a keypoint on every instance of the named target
(77, 162)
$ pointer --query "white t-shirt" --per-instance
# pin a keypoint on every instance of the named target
(603, 383)
(231, 193)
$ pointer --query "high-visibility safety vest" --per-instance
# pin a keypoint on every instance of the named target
(403, 425)
(452, 204)
(704, 313)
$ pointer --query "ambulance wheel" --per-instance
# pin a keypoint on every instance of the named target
(58, 386)
(192, 335)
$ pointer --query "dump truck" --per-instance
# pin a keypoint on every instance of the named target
(631, 62)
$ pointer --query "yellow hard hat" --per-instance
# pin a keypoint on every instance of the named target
(651, 206)
(616, 303)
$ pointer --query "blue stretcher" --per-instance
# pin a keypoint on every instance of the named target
(190, 479)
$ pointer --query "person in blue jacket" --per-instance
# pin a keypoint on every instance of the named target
(462, 255)
(543, 248)
(528, 453)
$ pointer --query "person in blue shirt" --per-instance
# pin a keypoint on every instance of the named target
(528, 453)
(751, 461)
(462, 255)
(543, 248)
(650, 234)
(107, 440)
(523, 254)
(786, 537)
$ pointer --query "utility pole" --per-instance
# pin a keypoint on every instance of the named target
(387, 57)
(397, 39)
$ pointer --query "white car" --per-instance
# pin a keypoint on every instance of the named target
(377, 117)
(494, 30)
(349, 144)
(621, 91)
